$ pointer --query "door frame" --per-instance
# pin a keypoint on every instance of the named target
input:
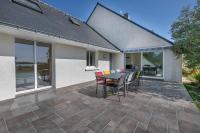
(35, 89)
(141, 63)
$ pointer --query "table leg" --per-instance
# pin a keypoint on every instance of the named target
(104, 88)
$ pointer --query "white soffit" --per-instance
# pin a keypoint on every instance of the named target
(146, 49)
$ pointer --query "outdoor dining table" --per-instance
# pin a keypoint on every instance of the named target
(112, 76)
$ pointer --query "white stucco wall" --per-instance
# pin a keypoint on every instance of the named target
(7, 67)
(121, 32)
(118, 61)
(70, 64)
(104, 61)
(172, 66)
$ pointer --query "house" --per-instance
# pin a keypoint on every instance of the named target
(42, 47)
(142, 48)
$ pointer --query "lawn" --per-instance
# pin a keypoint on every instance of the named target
(194, 93)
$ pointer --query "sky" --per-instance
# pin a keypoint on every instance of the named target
(156, 15)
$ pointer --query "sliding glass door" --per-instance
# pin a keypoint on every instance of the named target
(33, 65)
(152, 63)
(43, 53)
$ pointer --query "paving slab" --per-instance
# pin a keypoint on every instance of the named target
(156, 107)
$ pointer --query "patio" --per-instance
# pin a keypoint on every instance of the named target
(157, 107)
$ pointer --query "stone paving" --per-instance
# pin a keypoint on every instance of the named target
(154, 107)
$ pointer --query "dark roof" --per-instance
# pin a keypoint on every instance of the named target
(98, 4)
(51, 21)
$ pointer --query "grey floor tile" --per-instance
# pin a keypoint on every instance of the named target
(3, 126)
(99, 124)
(188, 127)
(21, 124)
(70, 122)
(140, 130)
(127, 125)
(46, 126)
(157, 125)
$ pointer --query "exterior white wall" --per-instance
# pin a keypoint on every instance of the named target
(121, 32)
(70, 64)
(104, 61)
(118, 61)
(172, 66)
(7, 67)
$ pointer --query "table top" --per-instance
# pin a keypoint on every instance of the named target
(114, 76)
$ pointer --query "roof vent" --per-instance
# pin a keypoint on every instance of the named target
(126, 15)
(28, 4)
(74, 21)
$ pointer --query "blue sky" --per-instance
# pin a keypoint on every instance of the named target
(156, 15)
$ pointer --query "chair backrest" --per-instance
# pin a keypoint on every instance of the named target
(99, 73)
(138, 74)
(131, 76)
(106, 72)
(112, 71)
(127, 75)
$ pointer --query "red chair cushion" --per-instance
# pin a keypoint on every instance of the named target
(98, 73)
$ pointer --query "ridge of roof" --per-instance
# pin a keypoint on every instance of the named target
(99, 4)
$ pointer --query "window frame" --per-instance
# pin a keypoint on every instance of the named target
(88, 63)
(37, 9)
(163, 67)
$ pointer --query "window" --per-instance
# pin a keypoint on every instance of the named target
(90, 58)
(74, 21)
(29, 4)
(153, 63)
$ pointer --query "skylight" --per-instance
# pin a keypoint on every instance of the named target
(29, 4)
(74, 21)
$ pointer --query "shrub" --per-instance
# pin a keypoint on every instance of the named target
(197, 77)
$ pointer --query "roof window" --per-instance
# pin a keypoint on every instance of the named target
(28, 4)
(74, 21)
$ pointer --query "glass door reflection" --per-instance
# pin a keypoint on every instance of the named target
(24, 64)
(43, 57)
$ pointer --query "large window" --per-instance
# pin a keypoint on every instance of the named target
(33, 64)
(91, 58)
(152, 63)
(24, 62)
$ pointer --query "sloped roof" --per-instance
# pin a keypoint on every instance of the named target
(51, 21)
(132, 22)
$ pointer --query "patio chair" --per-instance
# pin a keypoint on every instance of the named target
(106, 72)
(99, 81)
(108, 81)
(112, 71)
(129, 81)
(137, 79)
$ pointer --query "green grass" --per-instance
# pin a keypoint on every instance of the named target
(194, 93)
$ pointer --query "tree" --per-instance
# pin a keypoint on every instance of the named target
(186, 35)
